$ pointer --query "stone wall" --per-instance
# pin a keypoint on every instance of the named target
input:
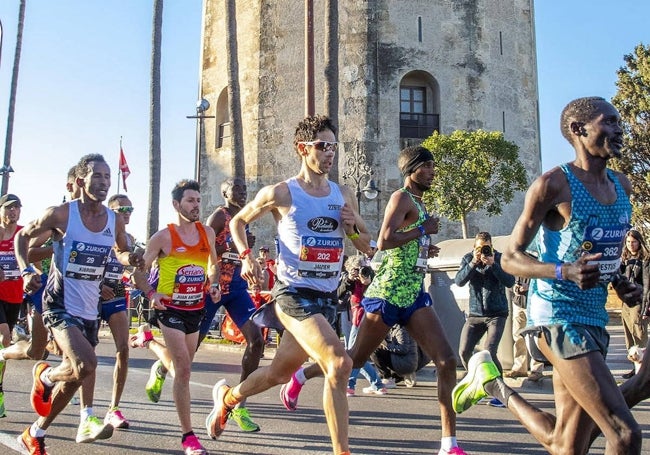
(479, 55)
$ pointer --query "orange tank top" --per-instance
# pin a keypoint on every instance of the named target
(183, 272)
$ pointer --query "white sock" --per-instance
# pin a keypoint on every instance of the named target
(300, 376)
(85, 413)
(448, 442)
(45, 377)
(35, 431)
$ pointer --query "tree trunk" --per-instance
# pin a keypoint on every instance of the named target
(154, 130)
(331, 85)
(12, 99)
(463, 223)
(234, 97)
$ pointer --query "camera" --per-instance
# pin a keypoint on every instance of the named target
(486, 250)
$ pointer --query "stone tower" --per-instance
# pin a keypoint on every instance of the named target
(405, 69)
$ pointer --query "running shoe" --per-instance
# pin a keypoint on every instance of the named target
(376, 390)
(115, 418)
(453, 451)
(496, 403)
(41, 396)
(156, 380)
(192, 446)
(216, 421)
(289, 393)
(142, 338)
(92, 429)
(469, 391)
(2, 405)
(243, 418)
(34, 446)
(410, 380)
(349, 392)
(389, 383)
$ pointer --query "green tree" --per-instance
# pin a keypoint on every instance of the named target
(632, 100)
(475, 170)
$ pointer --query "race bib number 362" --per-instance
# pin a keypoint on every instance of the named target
(607, 240)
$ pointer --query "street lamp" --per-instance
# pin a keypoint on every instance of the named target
(202, 105)
(357, 170)
(5, 172)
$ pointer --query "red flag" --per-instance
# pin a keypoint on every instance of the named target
(124, 168)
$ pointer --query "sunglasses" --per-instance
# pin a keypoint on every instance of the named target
(323, 145)
(123, 209)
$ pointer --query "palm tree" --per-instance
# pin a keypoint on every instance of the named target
(12, 99)
(234, 96)
(154, 131)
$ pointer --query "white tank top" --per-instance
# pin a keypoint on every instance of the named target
(310, 247)
(80, 258)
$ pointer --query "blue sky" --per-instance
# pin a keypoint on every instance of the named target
(84, 82)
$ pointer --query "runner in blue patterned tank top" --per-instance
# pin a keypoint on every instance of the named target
(579, 212)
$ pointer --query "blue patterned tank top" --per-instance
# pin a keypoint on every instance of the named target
(592, 228)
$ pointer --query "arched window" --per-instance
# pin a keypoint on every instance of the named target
(419, 98)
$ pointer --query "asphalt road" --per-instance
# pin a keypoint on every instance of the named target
(406, 421)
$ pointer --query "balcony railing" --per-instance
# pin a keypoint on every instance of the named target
(418, 126)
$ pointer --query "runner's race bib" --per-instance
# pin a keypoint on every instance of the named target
(228, 257)
(9, 265)
(188, 285)
(607, 240)
(320, 257)
(423, 254)
(86, 261)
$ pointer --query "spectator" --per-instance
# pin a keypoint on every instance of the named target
(353, 285)
(398, 358)
(271, 268)
(522, 358)
(488, 307)
(635, 265)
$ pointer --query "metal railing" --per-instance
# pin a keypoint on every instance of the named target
(418, 125)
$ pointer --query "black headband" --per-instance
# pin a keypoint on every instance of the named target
(417, 161)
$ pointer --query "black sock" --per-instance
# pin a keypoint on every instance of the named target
(186, 435)
(499, 390)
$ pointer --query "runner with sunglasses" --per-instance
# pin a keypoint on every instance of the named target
(114, 312)
(314, 217)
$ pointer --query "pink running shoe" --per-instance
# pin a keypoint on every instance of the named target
(142, 338)
(116, 419)
(289, 393)
(453, 451)
(192, 446)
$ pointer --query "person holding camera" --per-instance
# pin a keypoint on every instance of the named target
(635, 265)
(488, 307)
